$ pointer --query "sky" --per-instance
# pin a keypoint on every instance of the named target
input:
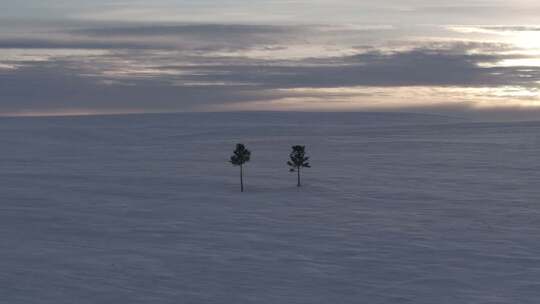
(74, 57)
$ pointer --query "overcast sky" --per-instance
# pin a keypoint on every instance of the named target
(107, 56)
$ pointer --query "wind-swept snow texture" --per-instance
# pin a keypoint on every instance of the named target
(398, 208)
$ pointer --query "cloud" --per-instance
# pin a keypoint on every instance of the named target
(36, 43)
(208, 30)
(146, 81)
(500, 30)
(194, 67)
(57, 87)
(198, 37)
(417, 67)
(514, 28)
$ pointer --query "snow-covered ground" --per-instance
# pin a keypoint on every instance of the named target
(398, 208)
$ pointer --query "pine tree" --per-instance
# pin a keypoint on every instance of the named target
(240, 157)
(298, 160)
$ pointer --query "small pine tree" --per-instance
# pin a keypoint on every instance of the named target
(298, 161)
(240, 157)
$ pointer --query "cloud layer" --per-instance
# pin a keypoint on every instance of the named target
(89, 66)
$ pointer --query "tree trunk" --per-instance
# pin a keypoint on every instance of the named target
(241, 178)
(298, 171)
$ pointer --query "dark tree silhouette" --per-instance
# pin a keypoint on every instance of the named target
(240, 157)
(298, 160)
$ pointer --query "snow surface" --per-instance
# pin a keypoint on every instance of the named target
(398, 208)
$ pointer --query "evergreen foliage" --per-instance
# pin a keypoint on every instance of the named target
(298, 160)
(240, 156)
